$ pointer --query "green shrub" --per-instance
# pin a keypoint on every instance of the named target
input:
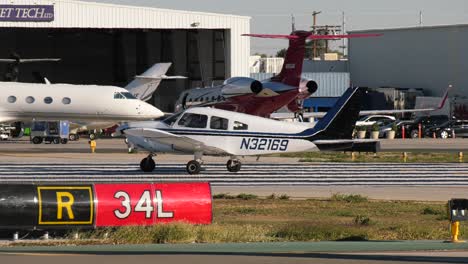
(349, 198)
(245, 196)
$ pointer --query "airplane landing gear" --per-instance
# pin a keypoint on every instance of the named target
(193, 167)
(147, 164)
(233, 165)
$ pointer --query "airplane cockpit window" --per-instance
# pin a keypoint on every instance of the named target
(66, 100)
(219, 123)
(118, 96)
(172, 119)
(128, 95)
(30, 99)
(48, 100)
(12, 99)
(193, 121)
(240, 126)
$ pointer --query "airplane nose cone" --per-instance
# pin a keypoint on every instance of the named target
(151, 112)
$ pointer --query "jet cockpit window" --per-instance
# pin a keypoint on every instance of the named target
(219, 123)
(48, 100)
(240, 126)
(193, 121)
(66, 100)
(11, 99)
(30, 99)
(128, 95)
(118, 96)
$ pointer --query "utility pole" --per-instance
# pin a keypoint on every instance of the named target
(343, 30)
(293, 23)
(420, 18)
(314, 15)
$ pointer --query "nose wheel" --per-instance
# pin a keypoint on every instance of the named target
(147, 164)
(233, 165)
(193, 167)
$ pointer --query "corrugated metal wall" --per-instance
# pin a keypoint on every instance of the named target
(331, 84)
(76, 14)
(424, 57)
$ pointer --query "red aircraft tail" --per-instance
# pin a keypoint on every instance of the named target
(292, 68)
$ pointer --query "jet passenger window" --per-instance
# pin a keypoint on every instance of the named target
(66, 100)
(118, 96)
(30, 100)
(240, 126)
(219, 123)
(193, 120)
(48, 100)
(11, 99)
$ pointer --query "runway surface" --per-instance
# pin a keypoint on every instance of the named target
(296, 252)
(264, 174)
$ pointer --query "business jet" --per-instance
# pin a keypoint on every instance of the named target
(40, 102)
(209, 131)
(247, 95)
(142, 88)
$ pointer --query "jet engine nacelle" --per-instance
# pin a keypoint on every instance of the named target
(308, 86)
(241, 85)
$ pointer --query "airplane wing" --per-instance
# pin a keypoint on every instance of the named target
(144, 85)
(30, 60)
(441, 105)
(177, 142)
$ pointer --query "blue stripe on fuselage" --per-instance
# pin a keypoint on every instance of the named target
(302, 135)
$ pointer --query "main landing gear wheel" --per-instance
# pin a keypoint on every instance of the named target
(193, 167)
(147, 164)
(233, 165)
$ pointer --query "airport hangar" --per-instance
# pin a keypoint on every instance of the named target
(108, 44)
(429, 58)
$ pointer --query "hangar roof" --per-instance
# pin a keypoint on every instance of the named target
(84, 14)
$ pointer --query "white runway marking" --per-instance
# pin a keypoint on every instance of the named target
(258, 174)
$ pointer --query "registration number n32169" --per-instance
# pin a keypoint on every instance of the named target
(264, 144)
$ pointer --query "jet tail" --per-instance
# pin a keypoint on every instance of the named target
(144, 85)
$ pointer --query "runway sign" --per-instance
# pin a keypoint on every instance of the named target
(458, 210)
(103, 205)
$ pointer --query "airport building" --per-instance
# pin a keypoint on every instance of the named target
(429, 58)
(108, 44)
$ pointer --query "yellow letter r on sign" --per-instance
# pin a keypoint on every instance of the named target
(61, 204)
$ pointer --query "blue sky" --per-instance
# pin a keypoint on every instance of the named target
(275, 16)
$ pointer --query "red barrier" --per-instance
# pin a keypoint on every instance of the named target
(149, 204)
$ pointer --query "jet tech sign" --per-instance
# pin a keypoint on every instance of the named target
(103, 205)
(28, 13)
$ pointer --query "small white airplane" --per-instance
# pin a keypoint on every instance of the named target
(219, 132)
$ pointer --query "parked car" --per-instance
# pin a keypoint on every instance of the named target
(399, 123)
(459, 128)
(412, 129)
(372, 119)
(4, 136)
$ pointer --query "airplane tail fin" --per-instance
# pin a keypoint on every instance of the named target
(292, 68)
(144, 85)
(339, 122)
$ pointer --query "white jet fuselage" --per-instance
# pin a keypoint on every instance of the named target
(28, 101)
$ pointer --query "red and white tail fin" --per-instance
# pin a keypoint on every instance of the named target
(292, 68)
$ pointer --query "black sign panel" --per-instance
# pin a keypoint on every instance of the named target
(18, 206)
(65, 205)
(458, 210)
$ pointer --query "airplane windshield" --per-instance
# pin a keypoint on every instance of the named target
(193, 121)
(172, 119)
(129, 95)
